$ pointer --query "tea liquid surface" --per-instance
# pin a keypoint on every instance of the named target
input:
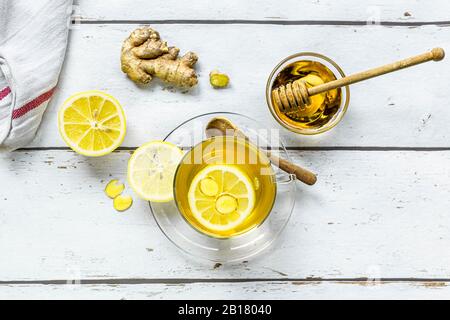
(225, 187)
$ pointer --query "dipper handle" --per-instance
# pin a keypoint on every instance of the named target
(437, 54)
(297, 95)
(222, 126)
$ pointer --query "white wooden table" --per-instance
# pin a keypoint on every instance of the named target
(381, 208)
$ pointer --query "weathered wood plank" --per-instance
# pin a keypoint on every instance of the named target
(246, 291)
(286, 10)
(407, 109)
(372, 214)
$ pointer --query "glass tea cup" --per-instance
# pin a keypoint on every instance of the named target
(257, 236)
(333, 104)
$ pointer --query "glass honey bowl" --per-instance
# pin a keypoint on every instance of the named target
(326, 110)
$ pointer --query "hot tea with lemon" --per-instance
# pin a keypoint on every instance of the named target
(225, 187)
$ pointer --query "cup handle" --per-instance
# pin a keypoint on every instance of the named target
(300, 173)
(287, 179)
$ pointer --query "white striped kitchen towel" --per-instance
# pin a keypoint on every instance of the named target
(33, 41)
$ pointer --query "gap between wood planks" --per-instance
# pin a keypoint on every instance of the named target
(337, 148)
(268, 22)
(131, 281)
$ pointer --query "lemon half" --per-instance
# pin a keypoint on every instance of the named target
(221, 197)
(152, 168)
(92, 123)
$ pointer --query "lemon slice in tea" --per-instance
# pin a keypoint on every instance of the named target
(151, 170)
(92, 123)
(221, 197)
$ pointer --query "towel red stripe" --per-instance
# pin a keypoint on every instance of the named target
(5, 92)
(33, 104)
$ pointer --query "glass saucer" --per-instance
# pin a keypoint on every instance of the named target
(242, 247)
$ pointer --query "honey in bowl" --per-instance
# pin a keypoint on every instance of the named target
(323, 107)
(225, 186)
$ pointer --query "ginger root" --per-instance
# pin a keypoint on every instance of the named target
(145, 55)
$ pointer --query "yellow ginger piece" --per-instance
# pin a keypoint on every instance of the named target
(209, 187)
(145, 55)
(218, 80)
(114, 188)
(123, 203)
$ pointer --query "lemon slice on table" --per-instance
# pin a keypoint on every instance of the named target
(151, 170)
(92, 123)
(221, 197)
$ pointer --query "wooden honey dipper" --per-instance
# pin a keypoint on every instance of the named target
(221, 126)
(296, 95)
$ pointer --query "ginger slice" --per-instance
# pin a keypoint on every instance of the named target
(209, 187)
(114, 188)
(123, 203)
(218, 80)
